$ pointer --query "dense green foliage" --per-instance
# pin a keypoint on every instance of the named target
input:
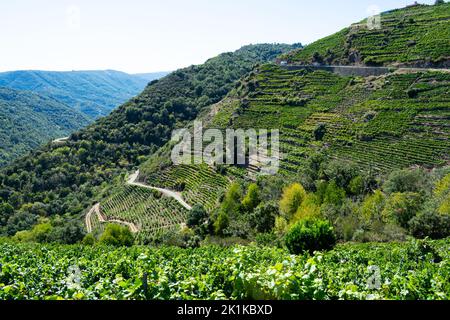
(415, 270)
(115, 235)
(27, 120)
(310, 235)
(92, 93)
(413, 36)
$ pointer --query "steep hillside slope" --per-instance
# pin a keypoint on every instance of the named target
(28, 120)
(413, 36)
(64, 176)
(375, 124)
(94, 93)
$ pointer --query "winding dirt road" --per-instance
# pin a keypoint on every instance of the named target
(131, 181)
(172, 194)
(96, 210)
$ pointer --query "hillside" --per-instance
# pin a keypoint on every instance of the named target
(333, 129)
(28, 120)
(65, 178)
(413, 36)
(93, 93)
(151, 76)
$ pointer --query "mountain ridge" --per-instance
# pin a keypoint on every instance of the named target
(92, 92)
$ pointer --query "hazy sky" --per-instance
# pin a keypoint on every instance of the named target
(149, 35)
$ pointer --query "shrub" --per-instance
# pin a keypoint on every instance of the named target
(232, 200)
(442, 195)
(320, 131)
(310, 235)
(291, 200)
(116, 235)
(356, 185)
(197, 216)
(309, 208)
(430, 224)
(89, 240)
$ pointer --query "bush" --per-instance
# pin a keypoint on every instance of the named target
(372, 207)
(319, 131)
(116, 235)
(430, 224)
(197, 216)
(310, 235)
(89, 240)
(333, 194)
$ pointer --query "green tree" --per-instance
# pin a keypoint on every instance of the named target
(222, 222)
(320, 131)
(310, 235)
(400, 208)
(197, 216)
(89, 240)
(252, 198)
(6, 210)
(291, 200)
(372, 206)
(263, 217)
(407, 181)
(116, 235)
(334, 194)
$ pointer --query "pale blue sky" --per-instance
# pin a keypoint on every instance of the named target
(149, 35)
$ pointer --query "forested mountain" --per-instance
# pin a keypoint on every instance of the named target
(151, 76)
(93, 93)
(61, 179)
(28, 120)
(413, 36)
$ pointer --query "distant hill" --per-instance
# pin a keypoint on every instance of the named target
(27, 120)
(93, 93)
(413, 36)
(152, 76)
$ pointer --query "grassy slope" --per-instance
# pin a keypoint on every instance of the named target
(28, 120)
(415, 36)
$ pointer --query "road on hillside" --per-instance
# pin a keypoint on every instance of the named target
(172, 194)
(96, 210)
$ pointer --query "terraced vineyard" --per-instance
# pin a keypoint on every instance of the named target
(152, 212)
(384, 123)
(202, 185)
(414, 35)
